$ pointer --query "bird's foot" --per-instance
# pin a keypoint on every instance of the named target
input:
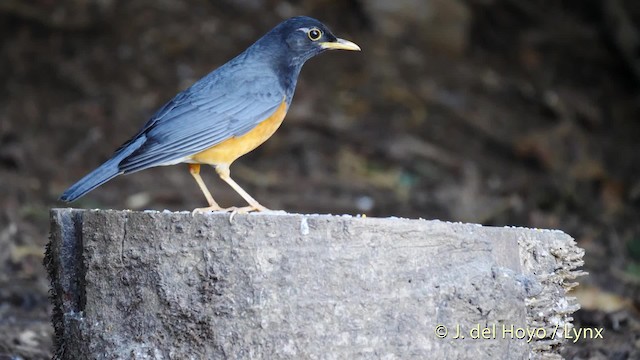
(246, 210)
(258, 208)
(211, 209)
(233, 209)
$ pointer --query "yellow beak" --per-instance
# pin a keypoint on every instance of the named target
(340, 44)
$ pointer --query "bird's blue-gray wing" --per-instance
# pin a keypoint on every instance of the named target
(202, 116)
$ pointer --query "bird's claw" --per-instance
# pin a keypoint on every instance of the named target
(206, 209)
(233, 210)
(246, 210)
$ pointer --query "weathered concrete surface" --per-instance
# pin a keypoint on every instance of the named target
(150, 285)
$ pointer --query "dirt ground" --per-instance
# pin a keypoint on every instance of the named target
(500, 112)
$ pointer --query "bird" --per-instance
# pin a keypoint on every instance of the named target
(224, 115)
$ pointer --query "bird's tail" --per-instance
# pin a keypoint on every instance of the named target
(102, 174)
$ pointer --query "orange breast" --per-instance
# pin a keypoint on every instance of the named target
(229, 150)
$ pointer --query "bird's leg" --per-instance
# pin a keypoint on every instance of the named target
(194, 169)
(225, 174)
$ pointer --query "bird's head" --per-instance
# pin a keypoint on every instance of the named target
(301, 38)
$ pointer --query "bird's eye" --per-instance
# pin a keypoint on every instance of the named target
(314, 34)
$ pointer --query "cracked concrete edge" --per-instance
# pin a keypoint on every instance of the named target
(555, 262)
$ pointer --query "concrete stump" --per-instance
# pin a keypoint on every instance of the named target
(164, 285)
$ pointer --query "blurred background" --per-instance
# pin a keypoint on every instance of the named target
(500, 112)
